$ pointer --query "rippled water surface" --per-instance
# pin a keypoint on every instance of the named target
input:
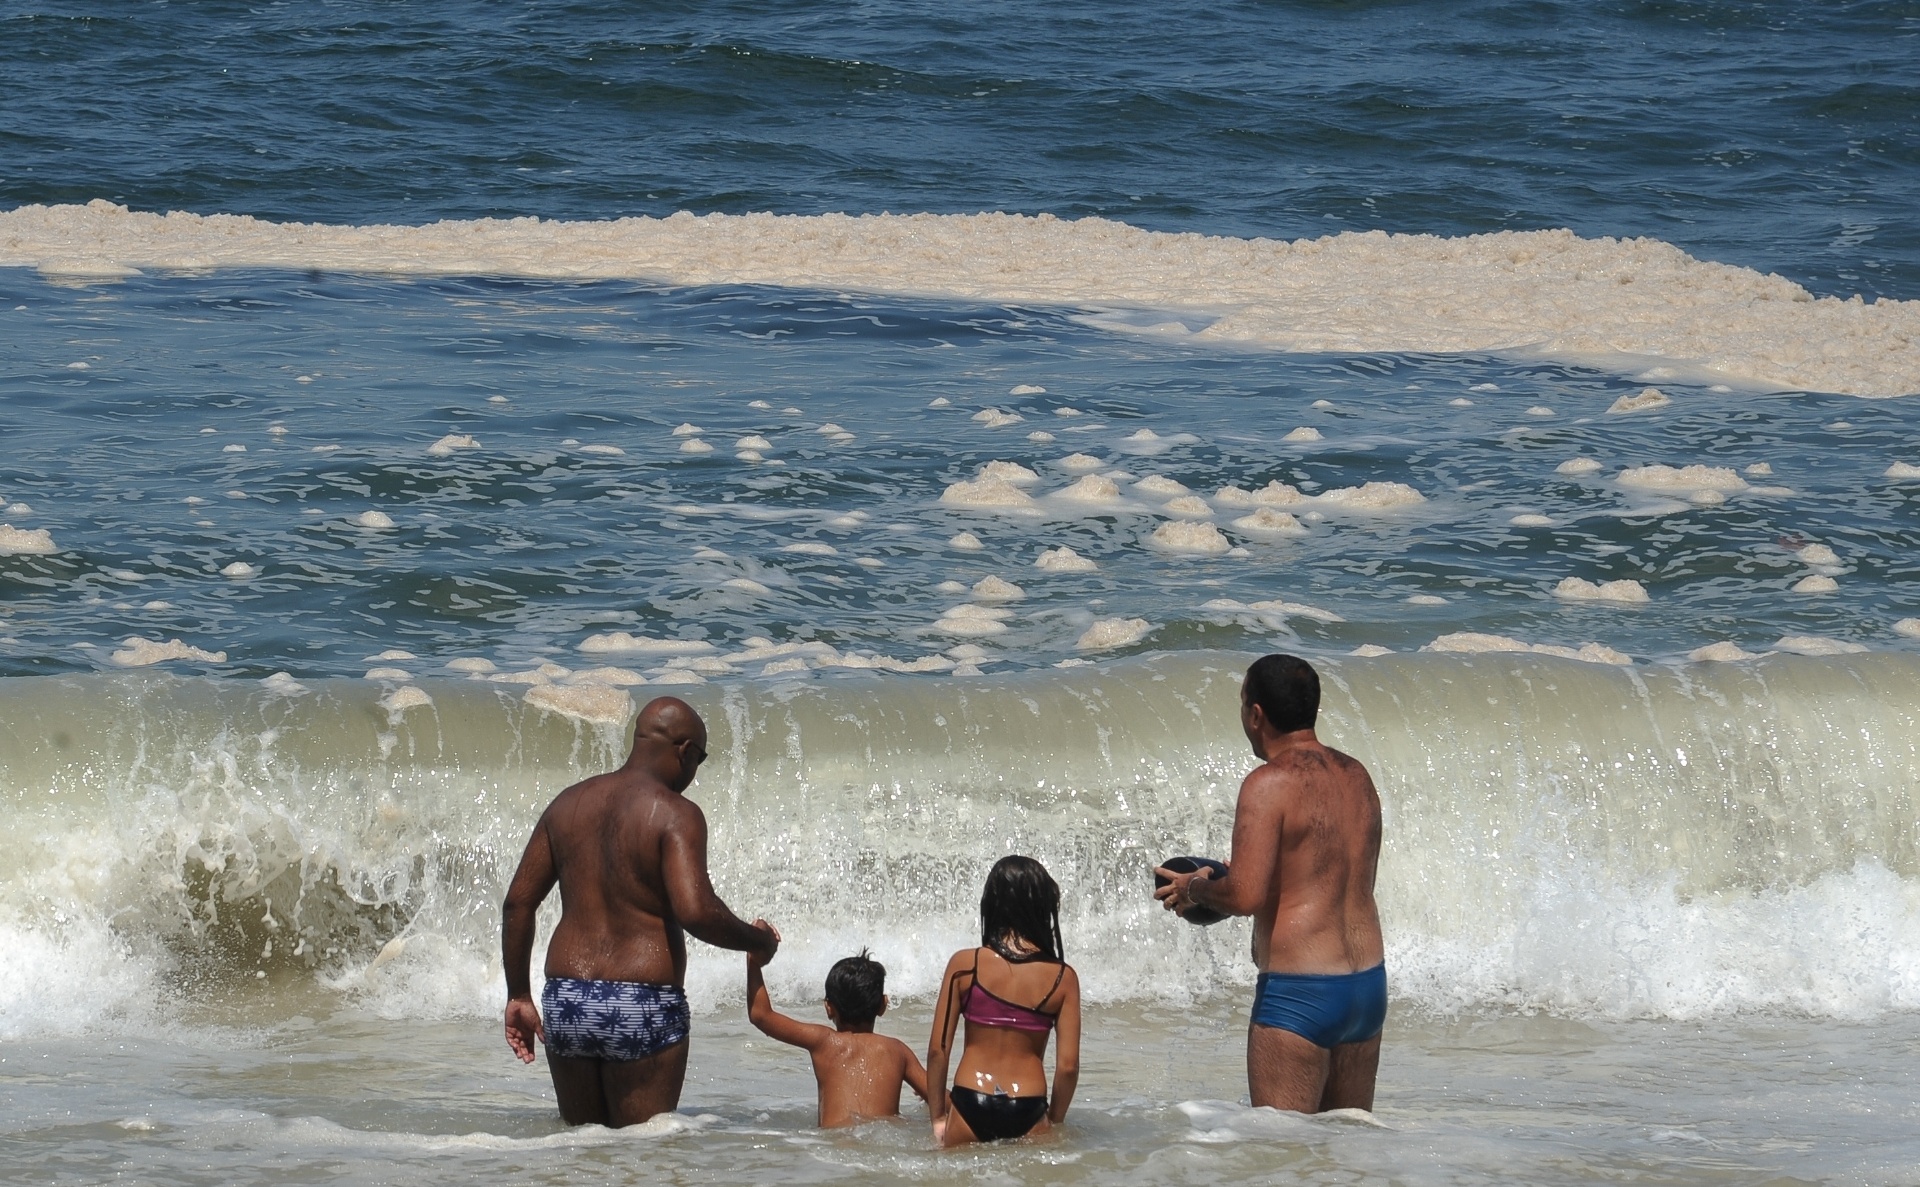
(167, 429)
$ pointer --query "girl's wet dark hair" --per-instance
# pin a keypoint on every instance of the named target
(1021, 902)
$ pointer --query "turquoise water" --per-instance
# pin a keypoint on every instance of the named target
(331, 551)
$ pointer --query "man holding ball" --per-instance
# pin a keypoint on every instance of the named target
(1306, 842)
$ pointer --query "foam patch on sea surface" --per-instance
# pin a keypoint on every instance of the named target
(1620, 302)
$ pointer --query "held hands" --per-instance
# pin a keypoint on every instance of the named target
(523, 1027)
(755, 958)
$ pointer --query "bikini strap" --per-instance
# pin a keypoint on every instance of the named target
(1057, 978)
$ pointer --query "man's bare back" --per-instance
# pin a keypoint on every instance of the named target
(629, 853)
(1306, 845)
(1317, 814)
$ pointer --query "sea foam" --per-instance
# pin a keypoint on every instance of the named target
(622, 643)
(1161, 485)
(1063, 560)
(1577, 589)
(1548, 293)
(445, 446)
(1682, 478)
(1273, 494)
(1093, 488)
(26, 541)
(1644, 400)
(593, 703)
(140, 653)
(1475, 643)
(1265, 521)
(1009, 472)
(1196, 539)
(987, 494)
(1108, 633)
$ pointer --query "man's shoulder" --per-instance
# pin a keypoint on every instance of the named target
(1315, 759)
(1308, 770)
(614, 796)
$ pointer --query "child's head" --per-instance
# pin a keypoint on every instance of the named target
(857, 990)
(1021, 903)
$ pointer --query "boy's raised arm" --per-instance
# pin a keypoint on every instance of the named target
(773, 1023)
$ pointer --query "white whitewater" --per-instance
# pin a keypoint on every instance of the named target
(1599, 842)
(1622, 303)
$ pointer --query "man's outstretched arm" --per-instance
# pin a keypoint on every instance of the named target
(531, 882)
(1257, 818)
(683, 864)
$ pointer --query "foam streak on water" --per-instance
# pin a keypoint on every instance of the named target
(1546, 293)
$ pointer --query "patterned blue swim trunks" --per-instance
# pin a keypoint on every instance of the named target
(612, 1019)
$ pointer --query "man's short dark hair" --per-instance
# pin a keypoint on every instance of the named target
(1287, 689)
(857, 989)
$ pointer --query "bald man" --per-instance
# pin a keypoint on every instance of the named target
(629, 851)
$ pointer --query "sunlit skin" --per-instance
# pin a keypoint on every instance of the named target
(1306, 843)
(859, 1072)
(1000, 1057)
(628, 850)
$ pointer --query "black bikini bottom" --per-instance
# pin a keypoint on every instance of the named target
(997, 1117)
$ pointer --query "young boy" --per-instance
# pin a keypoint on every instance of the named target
(859, 1072)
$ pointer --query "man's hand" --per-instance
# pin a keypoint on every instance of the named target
(754, 957)
(523, 1027)
(1175, 895)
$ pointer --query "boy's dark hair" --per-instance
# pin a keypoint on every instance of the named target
(857, 989)
(1287, 689)
(1021, 900)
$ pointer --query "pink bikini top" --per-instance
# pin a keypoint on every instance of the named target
(982, 1007)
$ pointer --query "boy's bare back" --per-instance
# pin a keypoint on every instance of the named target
(859, 1073)
(860, 1076)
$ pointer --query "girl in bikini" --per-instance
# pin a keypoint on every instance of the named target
(1013, 991)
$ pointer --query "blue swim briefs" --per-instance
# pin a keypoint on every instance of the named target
(1326, 1009)
(612, 1019)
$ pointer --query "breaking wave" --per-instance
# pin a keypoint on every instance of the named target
(1583, 839)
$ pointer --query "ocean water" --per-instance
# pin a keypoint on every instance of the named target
(950, 406)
